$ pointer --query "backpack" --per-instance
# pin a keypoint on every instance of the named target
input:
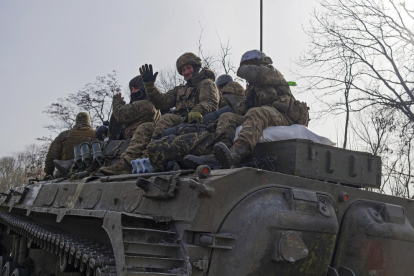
(298, 111)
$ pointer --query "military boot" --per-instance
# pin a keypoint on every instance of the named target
(233, 156)
(121, 167)
(193, 161)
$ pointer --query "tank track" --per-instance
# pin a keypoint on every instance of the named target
(76, 253)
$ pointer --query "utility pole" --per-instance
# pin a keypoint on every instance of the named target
(261, 25)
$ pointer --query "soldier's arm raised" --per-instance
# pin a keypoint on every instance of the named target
(142, 110)
(208, 97)
(55, 151)
(161, 101)
(124, 113)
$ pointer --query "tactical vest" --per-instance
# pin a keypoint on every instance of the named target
(76, 137)
(186, 100)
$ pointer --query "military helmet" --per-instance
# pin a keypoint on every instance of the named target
(137, 82)
(101, 132)
(223, 79)
(256, 55)
(187, 59)
(83, 118)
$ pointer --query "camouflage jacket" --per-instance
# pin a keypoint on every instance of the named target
(267, 85)
(231, 94)
(200, 94)
(134, 114)
(62, 147)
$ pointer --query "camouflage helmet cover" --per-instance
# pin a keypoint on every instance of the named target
(222, 79)
(187, 59)
(256, 55)
(83, 118)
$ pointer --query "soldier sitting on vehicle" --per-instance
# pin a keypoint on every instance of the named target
(198, 97)
(198, 139)
(269, 102)
(139, 110)
(62, 146)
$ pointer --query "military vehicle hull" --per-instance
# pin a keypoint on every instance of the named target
(242, 221)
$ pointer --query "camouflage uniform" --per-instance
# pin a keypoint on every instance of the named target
(140, 140)
(268, 98)
(231, 94)
(226, 126)
(174, 148)
(62, 147)
(134, 114)
(200, 141)
(199, 94)
(268, 87)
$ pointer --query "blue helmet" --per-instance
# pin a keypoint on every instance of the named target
(256, 55)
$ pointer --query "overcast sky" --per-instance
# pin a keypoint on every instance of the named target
(52, 48)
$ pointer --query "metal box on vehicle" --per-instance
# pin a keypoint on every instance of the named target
(317, 161)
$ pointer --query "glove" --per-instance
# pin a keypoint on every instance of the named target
(147, 74)
(195, 116)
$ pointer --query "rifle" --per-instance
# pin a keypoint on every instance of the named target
(210, 117)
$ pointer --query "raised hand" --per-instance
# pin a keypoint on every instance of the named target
(147, 73)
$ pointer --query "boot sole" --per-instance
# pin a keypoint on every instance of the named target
(223, 156)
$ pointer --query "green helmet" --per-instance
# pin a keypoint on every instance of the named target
(187, 59)
(83, 118)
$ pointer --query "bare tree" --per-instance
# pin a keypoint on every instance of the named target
(168, 79)
(33, 159)
(376, 37)
(224, 56)
(364, 51)
(15, 170)
(219, 63)
(63, 113)
(95, 98)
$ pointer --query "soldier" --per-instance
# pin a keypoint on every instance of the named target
(199, 96)
(196, 143)
(62, 147)
(268, 102)
(139, 110)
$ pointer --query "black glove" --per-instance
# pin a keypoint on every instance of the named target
(147, 74)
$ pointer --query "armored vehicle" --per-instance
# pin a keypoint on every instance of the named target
(295, 208)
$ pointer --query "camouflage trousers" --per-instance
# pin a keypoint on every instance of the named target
(226, 125)
(193, 141)
(145, 133)
(256, 120)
